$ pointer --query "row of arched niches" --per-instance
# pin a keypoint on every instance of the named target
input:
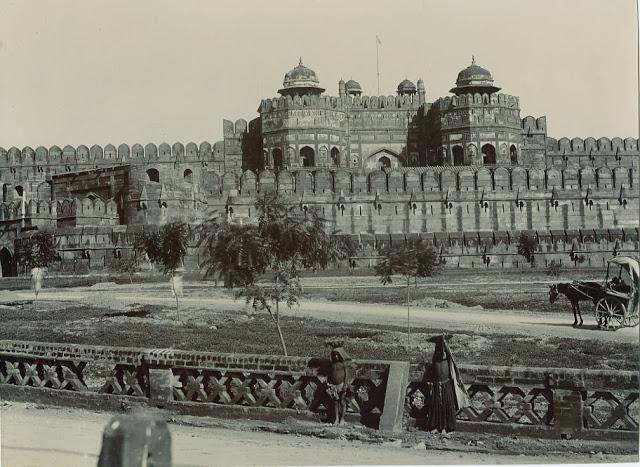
(407, 180)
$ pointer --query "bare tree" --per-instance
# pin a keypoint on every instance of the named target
(410, 260)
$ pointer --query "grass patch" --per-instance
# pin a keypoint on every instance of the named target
(528, 297)
(154, 326)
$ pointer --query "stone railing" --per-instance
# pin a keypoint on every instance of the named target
(161, 376)
(529, 401)
(539, 401)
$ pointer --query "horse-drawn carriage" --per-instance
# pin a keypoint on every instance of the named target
(616, 299)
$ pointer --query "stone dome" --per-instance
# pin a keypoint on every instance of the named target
(406, 87)
(301, 80)
(474, 79)
(353, 87)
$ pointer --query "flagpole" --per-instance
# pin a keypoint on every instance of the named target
(378, 62)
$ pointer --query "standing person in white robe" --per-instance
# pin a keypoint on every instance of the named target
(37, 274)
(177, 284)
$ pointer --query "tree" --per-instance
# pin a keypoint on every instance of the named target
(284, 241)
(554, 269)
(527, 247)
(410, 260)
(128, 266)
(167, 249)
(37, 253)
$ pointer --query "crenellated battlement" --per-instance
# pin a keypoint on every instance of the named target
(534, 126)
(70, 157)
(58, 209)
(591, 146)
(614, 182)
(477, 100)
(340, 103)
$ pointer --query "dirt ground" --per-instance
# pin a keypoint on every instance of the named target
(30, 437)
(210, 319)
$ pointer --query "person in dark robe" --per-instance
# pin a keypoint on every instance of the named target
(448, 394)
(338, 385)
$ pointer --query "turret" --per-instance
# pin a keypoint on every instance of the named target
(421, 92)
(301, 81)
(406, 87)
(353, 88)
(474, 79)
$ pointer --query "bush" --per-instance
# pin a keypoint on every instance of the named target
(527, 247)
(554, 269)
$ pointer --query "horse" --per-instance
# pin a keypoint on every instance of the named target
(574, 294)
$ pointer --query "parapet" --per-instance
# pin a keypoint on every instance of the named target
(109, 154)
(591, 146)
(427, 179)
(500, 100)
(534, 126)
(340, 103)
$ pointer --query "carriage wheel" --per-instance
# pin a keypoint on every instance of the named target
(610, 312)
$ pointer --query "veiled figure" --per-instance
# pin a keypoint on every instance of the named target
(448, 394)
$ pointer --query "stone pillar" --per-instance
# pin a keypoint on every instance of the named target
(394, 397)
(160, 384)
(568, 409)
(135, 440)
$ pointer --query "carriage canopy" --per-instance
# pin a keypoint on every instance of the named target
(630, 264)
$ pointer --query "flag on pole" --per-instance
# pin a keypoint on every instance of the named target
(378, 41)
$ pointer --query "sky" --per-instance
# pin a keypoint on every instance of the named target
(113, 71)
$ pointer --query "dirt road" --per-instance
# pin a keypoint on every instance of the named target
(37, 436)
(461, 319)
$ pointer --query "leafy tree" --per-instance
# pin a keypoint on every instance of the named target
(347, 248)
(283, 241)
(37, 253)
(167, 249)
(128, 266)
(410, 260)
(527, 247)
(150, 244)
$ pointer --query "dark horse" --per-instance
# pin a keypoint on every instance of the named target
(576, 292)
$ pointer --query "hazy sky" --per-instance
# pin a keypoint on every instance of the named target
(85, 72)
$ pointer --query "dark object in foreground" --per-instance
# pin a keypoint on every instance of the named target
(448, 395)
(135, 440)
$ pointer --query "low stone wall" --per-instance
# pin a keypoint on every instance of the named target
(163, 376)
(529, 401)
(540, 401)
